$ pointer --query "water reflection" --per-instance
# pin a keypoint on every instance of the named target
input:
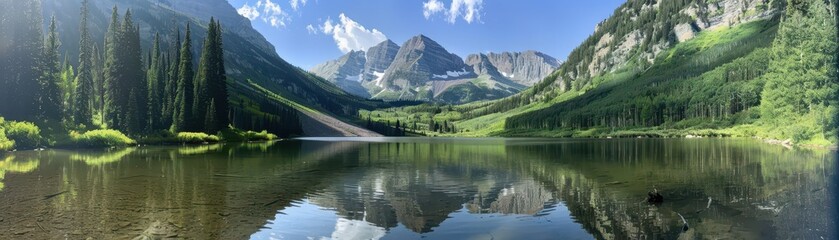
(411, 188)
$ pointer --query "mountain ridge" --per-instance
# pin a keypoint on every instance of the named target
(422, 69)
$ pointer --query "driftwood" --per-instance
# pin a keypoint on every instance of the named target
(686, 226)
(53, 195)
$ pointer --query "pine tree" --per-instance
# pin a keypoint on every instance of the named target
(132, 120)
(172, 82)
(202, 99)
(218, 84)
(156, 86)
(24, 59)
(136, 77)
(183, 116)
(210, 82)
(98, 80)
(210, 118)
(50, 99)
(84, 80)
(801, 80)
(112, 72)
(67, 84)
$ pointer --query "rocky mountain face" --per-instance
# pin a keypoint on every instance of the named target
(422, 69)
(421, 59)
(379, 58)
(346, 72)
(525, 68)
(639, 31)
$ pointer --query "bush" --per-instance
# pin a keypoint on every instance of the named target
(25, 134)
(19, 135)
(5, 143)
(192, 137)
(101, 138)
(236, 135)
(259, 136)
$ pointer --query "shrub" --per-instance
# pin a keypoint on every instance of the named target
(101, 138)
(19, 135)
(192, 137)
(236, 135)
(5, 143)
(259, 136)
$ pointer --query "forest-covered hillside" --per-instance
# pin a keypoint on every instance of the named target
(156, 71)
(675, 68)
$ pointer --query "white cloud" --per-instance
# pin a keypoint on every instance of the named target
(327, 26)
(270, 13)
(311, 29)
(349, 35)
(271, 7)
(469, 10)
(248, 12)
(296, 4)
(432, 7)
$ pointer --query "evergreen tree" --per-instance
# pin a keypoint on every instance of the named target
(24, 59)
(217, 85)
(98, 80)
(132, 119)
(124, 75)
(801, 79)
(112, 72)
(210, 82)
(172, 82)
(201, 98)
(156, 86)
(84, 80)
(67, 84)
(183, 116)
(136, 76)
(210, 118)
(50, 99)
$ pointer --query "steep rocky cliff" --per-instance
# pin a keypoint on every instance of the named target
(525, 68)
(346, 72)
(640, 30)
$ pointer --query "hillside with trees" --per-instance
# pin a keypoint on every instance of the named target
(121, 90)
(683, 68)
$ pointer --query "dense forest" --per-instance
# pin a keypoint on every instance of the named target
(117, 89)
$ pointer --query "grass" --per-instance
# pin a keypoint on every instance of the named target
(101, 138)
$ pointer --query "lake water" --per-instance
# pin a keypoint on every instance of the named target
(410, 188)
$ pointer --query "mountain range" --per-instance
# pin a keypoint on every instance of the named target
(423, 70)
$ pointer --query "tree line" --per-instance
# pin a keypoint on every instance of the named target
(117, 86)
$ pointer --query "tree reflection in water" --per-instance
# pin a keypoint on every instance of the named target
(405, 188)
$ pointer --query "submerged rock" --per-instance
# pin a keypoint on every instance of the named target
(654, 197)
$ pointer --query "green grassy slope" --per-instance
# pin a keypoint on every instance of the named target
(710, 82)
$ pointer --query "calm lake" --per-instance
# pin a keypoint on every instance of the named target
(410, 188)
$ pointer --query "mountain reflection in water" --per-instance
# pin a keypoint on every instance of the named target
(405, 188)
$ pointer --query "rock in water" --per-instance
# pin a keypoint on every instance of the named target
(654, 197)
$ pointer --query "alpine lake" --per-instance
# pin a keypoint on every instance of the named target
(429, 188)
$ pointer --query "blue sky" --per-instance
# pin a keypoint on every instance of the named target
(309, 32)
